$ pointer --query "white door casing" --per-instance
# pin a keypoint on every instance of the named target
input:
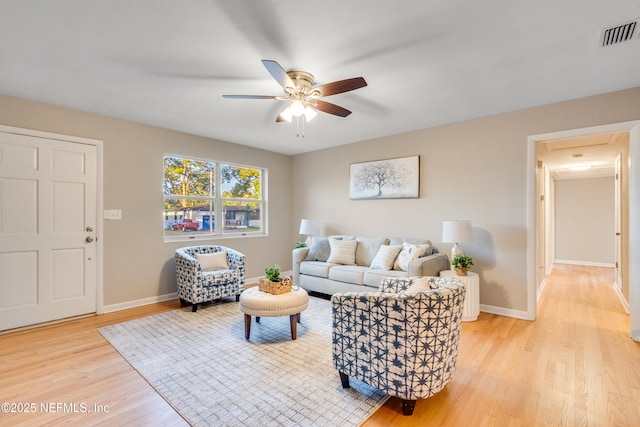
(48, 229)
(618, 223)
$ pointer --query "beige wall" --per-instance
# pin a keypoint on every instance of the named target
(585, 220)
(137, 263)
(474, 170)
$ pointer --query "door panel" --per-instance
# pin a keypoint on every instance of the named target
(18, 211)
(48, 270)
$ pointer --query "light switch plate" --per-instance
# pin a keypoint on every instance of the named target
(113, 214)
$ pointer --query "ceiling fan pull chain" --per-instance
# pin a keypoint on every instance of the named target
(298, 127)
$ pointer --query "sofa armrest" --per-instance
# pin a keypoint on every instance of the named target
(298, 255)
(430, 265)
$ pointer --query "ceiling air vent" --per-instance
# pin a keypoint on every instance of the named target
(619, 34)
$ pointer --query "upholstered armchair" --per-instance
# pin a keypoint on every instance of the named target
(207, 273)
(402, 340)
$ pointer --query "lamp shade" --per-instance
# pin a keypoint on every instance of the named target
(309, 227)
(456, 231)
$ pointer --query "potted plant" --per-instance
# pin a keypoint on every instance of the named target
(462, 263)
(273, 273)
(300, 245)
(273, 283)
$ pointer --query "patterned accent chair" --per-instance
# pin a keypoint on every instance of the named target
(197, 286)
(402, 340)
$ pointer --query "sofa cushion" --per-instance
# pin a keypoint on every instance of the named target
(385, 257)
(367, 249)
(374, 278)
(348, 273)
(409, 253)
(342, 251)
(319, 250)
(316, 268)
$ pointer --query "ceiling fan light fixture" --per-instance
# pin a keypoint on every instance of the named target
(309, 113)
(297, 108)
(286, 114)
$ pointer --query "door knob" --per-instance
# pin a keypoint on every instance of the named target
(89, 229)
(89, 239)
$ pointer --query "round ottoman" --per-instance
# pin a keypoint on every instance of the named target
(254, 302)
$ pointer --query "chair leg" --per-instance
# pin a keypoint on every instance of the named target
(247, 326)
(237, 298)
(194, 307)
(294, 330)
(344, 379)
(407, 406)
(183, 302)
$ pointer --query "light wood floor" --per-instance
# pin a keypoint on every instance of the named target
(574, 366)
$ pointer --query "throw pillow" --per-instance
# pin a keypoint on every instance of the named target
(342, 251)
(385, 257)
(214, 261)
(368, 248)
(319, 250)
(408, 253)
(422, 284)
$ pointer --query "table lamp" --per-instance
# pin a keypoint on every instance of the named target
(309, 227)
(456, 232)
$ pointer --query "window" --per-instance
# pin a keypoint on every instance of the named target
(205, 199)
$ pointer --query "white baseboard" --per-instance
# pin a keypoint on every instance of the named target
(618, 291)
(587, 263)
(491, 309)
(137, 303)
(250, 280)
(146, 301)
(541, 289)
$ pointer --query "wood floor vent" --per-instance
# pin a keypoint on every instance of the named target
(620, 34)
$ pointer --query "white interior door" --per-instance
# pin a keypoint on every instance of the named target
(48, 266)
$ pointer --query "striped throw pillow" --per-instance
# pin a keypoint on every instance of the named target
(342, 251)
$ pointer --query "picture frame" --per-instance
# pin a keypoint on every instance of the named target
(397, 178)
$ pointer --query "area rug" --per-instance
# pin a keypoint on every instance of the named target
(201, 364)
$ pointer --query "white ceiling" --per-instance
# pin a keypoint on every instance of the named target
(167, 63)
(590, 156)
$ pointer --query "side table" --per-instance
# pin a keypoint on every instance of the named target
(472, 299)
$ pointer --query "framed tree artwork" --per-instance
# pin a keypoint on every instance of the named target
(385, 179)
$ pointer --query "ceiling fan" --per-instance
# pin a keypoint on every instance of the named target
(304, 98)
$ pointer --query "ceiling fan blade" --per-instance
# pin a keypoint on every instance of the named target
(278, 73)
(330, 108)
(341, 86)
(250, 97)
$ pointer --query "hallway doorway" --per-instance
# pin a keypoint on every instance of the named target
(602, 147)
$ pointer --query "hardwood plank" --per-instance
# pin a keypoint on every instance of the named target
(575, 365)
(71, 363)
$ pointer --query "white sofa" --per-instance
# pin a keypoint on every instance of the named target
(315, 269)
